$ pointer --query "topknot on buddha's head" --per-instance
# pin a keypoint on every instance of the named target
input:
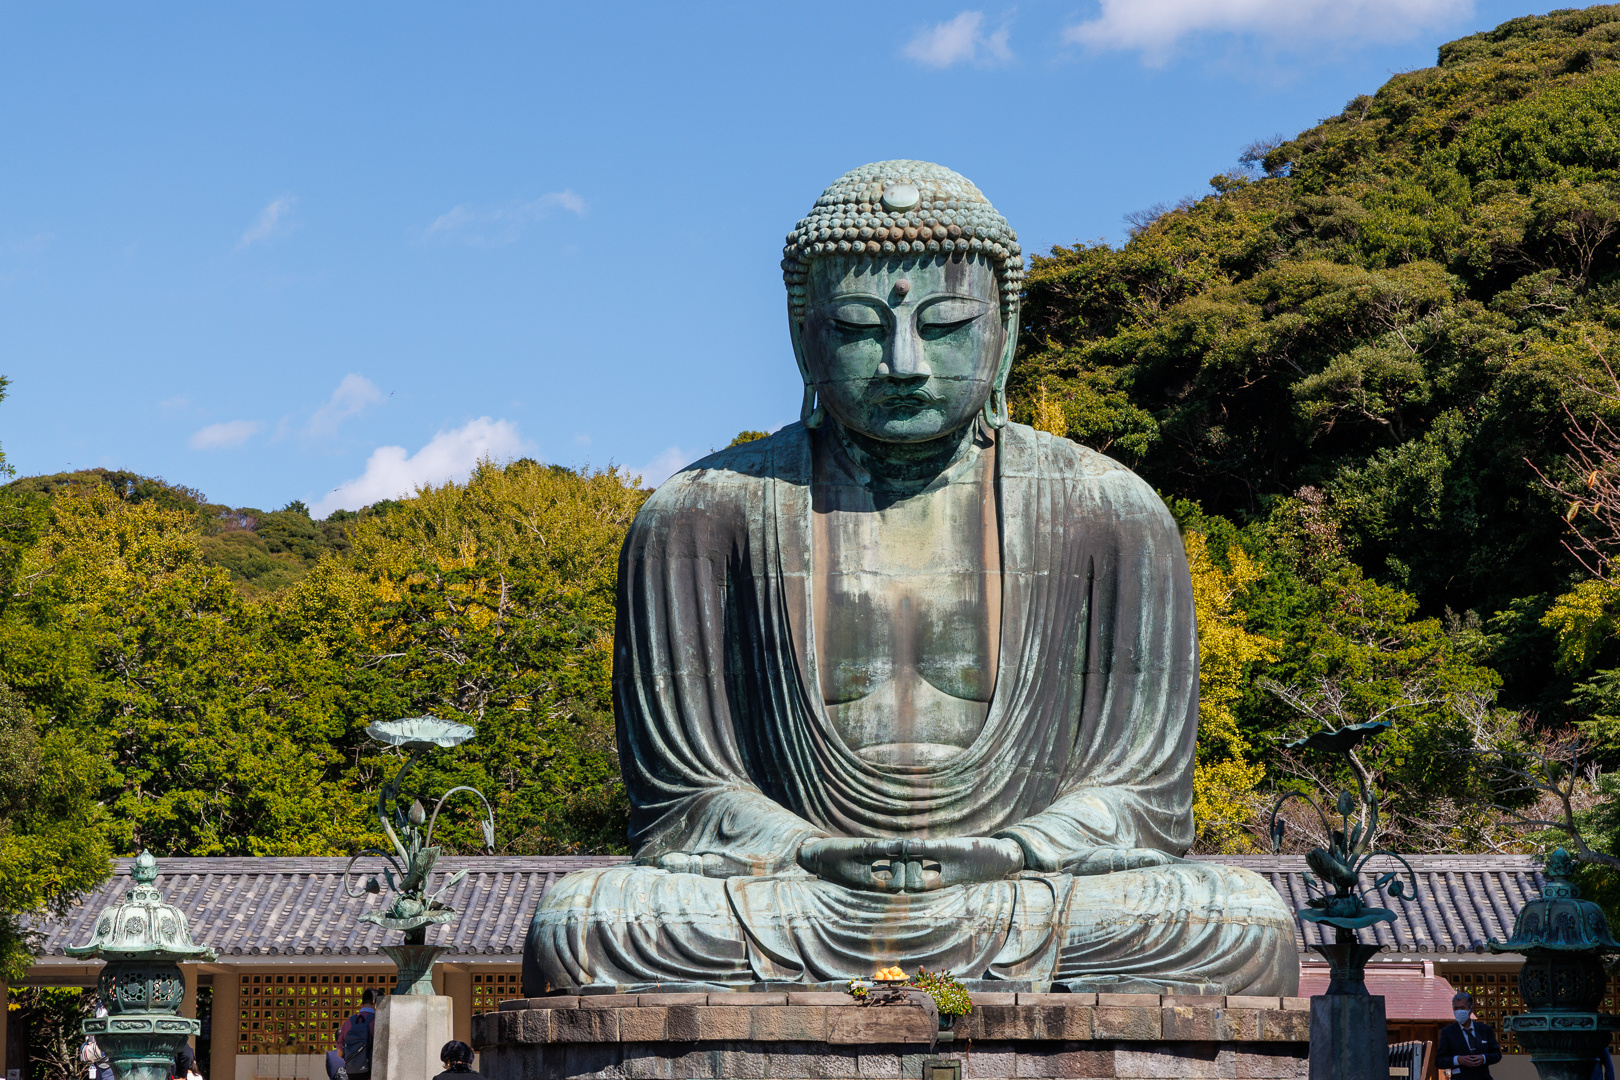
(900, 208)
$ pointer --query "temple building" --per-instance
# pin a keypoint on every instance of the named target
(294, 957)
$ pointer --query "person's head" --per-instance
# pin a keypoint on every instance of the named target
(368, 996)
(903, 287)
(1462, 1006)
(457, 1056)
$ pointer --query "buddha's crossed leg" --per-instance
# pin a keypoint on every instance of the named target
(1187, 927)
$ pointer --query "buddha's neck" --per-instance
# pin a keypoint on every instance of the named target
(903, 468)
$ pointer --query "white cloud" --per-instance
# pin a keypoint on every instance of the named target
(493, 226)
(665, 465)
(273, 219)
(351, 397)
(224, 436)
(1155, 26)
(961, 40)
(391, 473)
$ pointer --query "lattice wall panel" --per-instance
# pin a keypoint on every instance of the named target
(490, 988)
(300, 1012)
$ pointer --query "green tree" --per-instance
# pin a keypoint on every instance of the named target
(56, 839)
(490, 602)
(122, 637)
(1401, 308)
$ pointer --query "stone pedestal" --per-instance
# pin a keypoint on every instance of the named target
(826, 1036)
(1349, 1040)
(411, 1030)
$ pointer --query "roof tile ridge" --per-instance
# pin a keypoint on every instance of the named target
(492, 905)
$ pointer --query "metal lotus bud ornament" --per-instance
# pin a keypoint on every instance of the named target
(141, 938)
(414, 854)
(1339, 865)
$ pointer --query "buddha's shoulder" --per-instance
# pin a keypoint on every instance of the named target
(733, 476)
(1061, 458)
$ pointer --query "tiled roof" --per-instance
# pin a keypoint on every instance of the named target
(296, 906)
(293, 907)
(1462, 900)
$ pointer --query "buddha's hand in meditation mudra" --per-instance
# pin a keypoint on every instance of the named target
(911, 865)
(893, 865)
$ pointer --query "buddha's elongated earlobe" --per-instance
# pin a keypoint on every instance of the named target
(995, 406)
(811, 414)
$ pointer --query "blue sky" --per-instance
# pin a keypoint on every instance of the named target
(326, 251)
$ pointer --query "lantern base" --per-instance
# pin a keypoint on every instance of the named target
(142, 1046)
(1563, 1046)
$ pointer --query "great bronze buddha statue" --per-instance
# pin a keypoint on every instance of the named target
(906, 683)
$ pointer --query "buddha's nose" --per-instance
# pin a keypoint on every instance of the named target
(905, 358)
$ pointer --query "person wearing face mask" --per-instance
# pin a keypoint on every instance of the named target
(1469, 1047)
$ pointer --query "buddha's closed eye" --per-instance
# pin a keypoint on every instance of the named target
(930, 330)
(855, 317)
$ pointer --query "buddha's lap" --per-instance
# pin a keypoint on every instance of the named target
(1181, 893)
(1192, 927)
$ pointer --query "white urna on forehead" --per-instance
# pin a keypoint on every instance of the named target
(901, 208)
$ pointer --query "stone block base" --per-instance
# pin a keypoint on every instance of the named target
(411, 1030)
(826, 1036)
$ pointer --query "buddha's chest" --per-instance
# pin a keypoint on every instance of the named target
(907, 614)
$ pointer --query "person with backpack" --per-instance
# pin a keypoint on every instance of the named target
(352, 1059)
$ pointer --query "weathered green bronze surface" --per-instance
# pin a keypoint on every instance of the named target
(411, 862)
(141, 938)
(905, 683)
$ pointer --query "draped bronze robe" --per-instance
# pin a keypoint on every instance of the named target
(729, 757)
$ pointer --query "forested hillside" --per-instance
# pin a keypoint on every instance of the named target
(196, 709)
(1353, 369)
(1355, 360)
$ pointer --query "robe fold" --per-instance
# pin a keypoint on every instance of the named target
(731, 762)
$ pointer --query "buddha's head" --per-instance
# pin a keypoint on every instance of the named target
(903, 288)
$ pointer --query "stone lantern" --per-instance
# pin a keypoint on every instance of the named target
(1563, 939)
(142, 939)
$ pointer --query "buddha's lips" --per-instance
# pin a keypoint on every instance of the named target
(912, 397)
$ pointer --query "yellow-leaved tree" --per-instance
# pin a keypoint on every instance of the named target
(1224, 777)
(1048, 415)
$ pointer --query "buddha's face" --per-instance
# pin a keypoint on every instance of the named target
(902, 349)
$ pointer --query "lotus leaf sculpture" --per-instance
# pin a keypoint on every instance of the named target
(414, 855)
